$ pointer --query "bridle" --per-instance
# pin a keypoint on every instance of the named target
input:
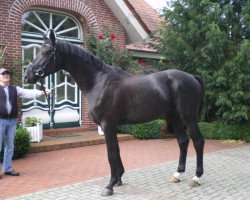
(40, 70)
(40, 73)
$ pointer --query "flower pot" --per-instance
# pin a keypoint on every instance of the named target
(36, 132)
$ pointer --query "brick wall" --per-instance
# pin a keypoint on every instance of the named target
(91, 13)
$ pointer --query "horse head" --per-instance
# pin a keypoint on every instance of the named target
(45, 62)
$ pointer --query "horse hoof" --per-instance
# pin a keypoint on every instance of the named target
(107, 192)
(175, 180)
(119, 183)
(194, 183)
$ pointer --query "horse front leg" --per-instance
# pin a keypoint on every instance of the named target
(120, 171)
(116, 166)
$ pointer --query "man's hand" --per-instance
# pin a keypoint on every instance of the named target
(48, 91)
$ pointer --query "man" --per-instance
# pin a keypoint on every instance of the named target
(8, 114)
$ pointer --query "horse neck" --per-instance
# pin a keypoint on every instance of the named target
(83, 73)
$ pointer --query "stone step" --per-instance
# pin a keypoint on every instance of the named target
(64, 140)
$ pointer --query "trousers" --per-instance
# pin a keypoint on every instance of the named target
(7, 137)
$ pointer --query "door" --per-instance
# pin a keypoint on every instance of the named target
(64, 106)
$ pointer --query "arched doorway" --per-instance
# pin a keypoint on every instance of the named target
(66, 100)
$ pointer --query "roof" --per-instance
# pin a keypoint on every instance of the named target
(150, 19)
(148, 15)
(139, 20)
(142, 46)
(144, 50)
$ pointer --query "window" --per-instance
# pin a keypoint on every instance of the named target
(35, 23)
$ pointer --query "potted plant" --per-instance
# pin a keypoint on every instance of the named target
(35, 128)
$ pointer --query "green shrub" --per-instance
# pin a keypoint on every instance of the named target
(150, 130)
(125, 129)
(213, 130)
(103, 46)
(223, 131)
(248, 138)
(22, 143)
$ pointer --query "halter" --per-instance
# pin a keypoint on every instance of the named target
(40, 70)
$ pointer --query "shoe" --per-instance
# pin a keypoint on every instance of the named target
(12, 173)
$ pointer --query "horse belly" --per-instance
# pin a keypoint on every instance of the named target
(147, 109)
(144, 99)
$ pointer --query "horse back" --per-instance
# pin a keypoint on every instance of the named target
(143, 98)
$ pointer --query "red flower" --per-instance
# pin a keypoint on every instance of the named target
(100, 36)
(112, 36)
(141, 62)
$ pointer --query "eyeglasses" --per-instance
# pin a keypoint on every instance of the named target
(5, 73)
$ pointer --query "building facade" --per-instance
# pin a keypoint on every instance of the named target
(22, 25)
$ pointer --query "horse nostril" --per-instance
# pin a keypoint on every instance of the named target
(25, 77)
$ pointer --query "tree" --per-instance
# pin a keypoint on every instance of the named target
(211, 38)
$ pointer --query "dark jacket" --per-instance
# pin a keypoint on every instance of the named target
(13, 101)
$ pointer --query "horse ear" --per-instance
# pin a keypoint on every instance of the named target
(52, 37)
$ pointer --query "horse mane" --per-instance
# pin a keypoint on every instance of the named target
(68, 48)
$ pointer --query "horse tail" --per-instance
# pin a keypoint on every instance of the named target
(200, 80)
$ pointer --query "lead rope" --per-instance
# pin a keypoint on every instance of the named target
(51, 108)
(44, 90)
(49, 101)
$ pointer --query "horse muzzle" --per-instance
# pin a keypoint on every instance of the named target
(31, 74)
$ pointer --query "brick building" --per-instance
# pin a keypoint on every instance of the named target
(22, 23)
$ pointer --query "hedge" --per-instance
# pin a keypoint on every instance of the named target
(22, 143)
(210, 130)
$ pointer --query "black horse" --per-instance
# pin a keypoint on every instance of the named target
(116, 97)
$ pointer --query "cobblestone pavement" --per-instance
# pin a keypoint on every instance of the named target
(227, 175)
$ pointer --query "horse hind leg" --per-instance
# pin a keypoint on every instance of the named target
(198, 142)
(179, 130)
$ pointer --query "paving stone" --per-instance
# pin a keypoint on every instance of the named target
(227, 175)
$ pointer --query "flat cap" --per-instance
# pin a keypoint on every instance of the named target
(2, 70)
